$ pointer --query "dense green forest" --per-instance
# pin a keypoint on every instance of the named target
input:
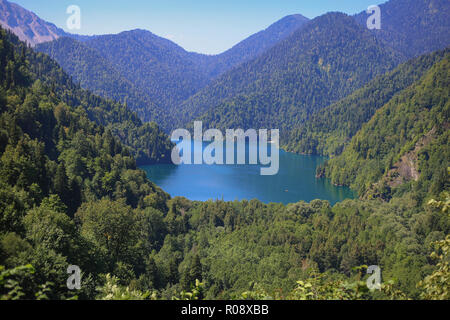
(88, 68)
(147, 143)
(407, 139)
(327, 132)
(259, 94)
(154, 75)
(319, 64)
(71, 195)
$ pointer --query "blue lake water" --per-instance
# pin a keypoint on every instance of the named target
(295, 181)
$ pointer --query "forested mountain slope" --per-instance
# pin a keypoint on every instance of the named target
(94, 72)
(406, 140)
(256, 44)
(166, 84)
(327, 132)
(166, 72)
(153, 74)
(51, 147)
(53, 159)
(320, 63)
(146, 141)
(413, 27)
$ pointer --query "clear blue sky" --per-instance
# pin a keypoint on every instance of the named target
(206, 26)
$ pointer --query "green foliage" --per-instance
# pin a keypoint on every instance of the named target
(10, 288)
(146, 141)
(53, 160)
(321, 287)
(111, 290)
(112, 227)
(71, 194)
(95, 73)
(321, 63)
(195, 294)
(151, 74)
(437, 285)
(329, 131)
(410, 130)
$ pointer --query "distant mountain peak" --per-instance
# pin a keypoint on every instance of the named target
(27, 25)
(295, 16)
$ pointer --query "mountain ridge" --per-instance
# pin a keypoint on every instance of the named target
(285, 81)
(163, 71)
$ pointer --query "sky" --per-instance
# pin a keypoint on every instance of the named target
(204, 26)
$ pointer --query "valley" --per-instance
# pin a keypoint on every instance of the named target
(88, 179)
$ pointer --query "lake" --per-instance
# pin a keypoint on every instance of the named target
(296, 180)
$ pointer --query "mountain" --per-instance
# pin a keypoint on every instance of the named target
(49, 141)
(27, 25)
(167, 73)
(152, 75)
(406, 140)
(54, 159)
(162, 74)
(164, 83)
(322, 62)
(413, 27)
(146, 142)
(256, 44)
(79, 60)
(327, 132)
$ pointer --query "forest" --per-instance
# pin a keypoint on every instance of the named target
(154, 75)
(319, 64)
(146, 141)
(71, 194)
(410, 130)
(329, 131)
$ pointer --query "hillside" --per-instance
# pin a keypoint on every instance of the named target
(256, 44)
(414, 27)
(327, 132)
(50, 146)
(166, 72)
(164, 83)
(153, 74)
(324, 61)
(414, 124)
(92, 71)
(146, 140)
